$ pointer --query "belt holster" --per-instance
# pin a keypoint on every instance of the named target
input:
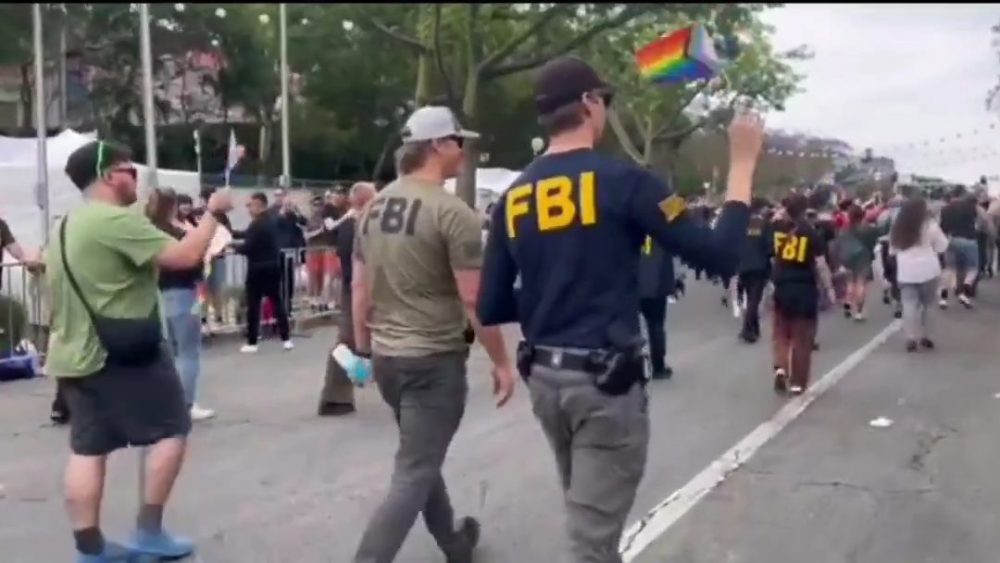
(525, 358)
(616, 371)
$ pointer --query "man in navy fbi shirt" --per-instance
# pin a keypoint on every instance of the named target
(571, 229)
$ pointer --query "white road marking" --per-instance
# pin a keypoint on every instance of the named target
(664, 515)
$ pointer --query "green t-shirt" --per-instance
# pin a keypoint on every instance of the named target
(111, 251)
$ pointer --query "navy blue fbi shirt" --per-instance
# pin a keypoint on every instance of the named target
(572, 228)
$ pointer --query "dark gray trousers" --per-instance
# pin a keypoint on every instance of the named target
(600, 443)
(427, 395)
(337, 388)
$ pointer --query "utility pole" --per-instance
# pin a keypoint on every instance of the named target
(286, 158)
(42, 185)
(146, 55)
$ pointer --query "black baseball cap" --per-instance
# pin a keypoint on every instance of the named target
(564, 80)
(90, 161)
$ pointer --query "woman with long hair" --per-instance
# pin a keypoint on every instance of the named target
(916, 240)
(855, 253)
(180, 302)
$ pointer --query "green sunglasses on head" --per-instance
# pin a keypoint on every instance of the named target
(100, 157)
(100, 163)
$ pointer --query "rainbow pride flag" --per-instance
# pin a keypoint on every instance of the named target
(687, 54)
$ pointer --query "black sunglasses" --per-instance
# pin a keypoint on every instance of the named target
(606, 96)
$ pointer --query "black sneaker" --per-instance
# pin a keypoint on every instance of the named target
(926, 343)
(335, 409)
(780, 380)
(897, 314)
(886, 299)
(847, 311)
(59, 417)
(666, 373)
(911, 346)
(466, 540)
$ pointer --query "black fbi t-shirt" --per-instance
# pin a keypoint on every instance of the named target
(796, 247)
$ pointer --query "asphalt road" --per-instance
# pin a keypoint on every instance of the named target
(267, 481)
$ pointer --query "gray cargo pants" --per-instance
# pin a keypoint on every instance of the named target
(600, 443)
(337, 388)
(427, 395)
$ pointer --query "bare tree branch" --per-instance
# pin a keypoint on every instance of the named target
(449, 89)
(670, 122)
(501, 54)
(676, 136)
(623, 137)
(415, 45)
(527, 64)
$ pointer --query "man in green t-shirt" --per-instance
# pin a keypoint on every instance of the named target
(108, 270)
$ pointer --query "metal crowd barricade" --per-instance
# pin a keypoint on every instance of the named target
(25, 310)
(224, 296)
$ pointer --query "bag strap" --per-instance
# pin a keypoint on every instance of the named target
(69, 273)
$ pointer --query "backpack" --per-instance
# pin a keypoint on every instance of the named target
(849, 248)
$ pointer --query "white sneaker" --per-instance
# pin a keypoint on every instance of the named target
(943, 303)
(249, 349)
(288, 345)
(198, 413)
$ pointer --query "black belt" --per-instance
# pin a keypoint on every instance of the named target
(561, 359)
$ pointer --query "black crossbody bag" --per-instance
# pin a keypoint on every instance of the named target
(128, 342)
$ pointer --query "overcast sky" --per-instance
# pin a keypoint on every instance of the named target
(888, 75)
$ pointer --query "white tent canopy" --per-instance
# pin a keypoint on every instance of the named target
(496, 180)
(18, 170)
(490, 184)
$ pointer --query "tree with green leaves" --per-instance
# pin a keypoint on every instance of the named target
(464, 49)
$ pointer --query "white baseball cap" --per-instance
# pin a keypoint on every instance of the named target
(434, 122)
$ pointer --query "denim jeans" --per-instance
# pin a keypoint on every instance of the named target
(180, 307)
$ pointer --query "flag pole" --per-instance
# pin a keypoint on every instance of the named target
(146, 54)
(197, 151)
(286, 164)
(42, 187)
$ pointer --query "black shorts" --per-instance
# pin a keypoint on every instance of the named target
(122, 406)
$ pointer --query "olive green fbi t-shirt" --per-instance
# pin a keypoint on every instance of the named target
(111, 251)
(411, 240)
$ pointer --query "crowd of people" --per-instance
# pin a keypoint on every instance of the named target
(419, 282)
(820, 246)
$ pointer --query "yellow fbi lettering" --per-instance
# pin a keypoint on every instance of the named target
(791, 248)
(557, 203)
